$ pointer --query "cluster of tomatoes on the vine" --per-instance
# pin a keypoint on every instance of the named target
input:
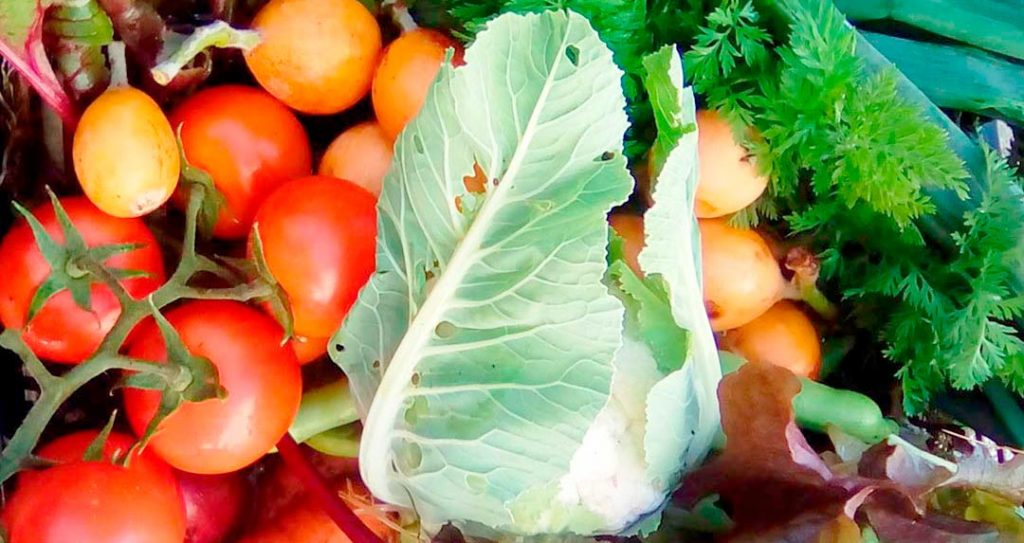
(314, 235)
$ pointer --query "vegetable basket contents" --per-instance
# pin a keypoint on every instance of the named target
(331, 271)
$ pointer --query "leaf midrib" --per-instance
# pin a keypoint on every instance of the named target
(375, 454)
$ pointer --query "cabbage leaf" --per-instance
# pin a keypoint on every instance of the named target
(488, 354)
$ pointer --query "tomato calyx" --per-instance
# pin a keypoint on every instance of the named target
(94, 452)
(255, 269)
(74, 266)
(213, 199)
(194, 379)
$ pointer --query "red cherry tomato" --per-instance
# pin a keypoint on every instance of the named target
(95, 502)
(61, 331)
(213, 505)
(319, 242)
(261, 376)
(71, 448)
(248, 142)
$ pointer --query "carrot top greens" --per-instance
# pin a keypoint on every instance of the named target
(856, 168)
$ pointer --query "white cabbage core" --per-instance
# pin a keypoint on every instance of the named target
(607, 474)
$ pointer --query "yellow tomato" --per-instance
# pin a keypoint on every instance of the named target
(125, 153)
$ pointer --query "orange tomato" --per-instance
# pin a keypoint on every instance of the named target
(783, 336)
(408, 67)
(248, 142)
(361, 154)
(308, 349)
(319, 241)
(262, 379)
(317, 56)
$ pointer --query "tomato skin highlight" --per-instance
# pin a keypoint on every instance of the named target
(248, 142)
(319, 242)
(317, 56)
(261, 376)
(61, 331)
(407, 68)
(95, 502)
(783, 336)
(361, 154)
(125, 153)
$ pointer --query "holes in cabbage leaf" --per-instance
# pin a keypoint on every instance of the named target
(444, 330)
(605, 156)
(573, 54)
(339, 347)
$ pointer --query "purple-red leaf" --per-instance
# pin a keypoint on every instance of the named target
(892, 526)
(775, 487)
(145, 35)
(768, 477)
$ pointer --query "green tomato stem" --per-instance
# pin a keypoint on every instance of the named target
(55, 390)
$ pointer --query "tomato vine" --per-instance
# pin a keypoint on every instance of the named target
(183, 378)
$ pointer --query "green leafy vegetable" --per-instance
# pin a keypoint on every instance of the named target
(855, 165)
(621, 24)
(515, 332)
(993, 25)
(500, 388)
(985, 83)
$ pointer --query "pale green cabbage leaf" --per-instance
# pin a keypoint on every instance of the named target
(487, 354)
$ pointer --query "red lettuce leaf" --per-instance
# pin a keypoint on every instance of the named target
(775, 487)
(146, 34)
(933, 528)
